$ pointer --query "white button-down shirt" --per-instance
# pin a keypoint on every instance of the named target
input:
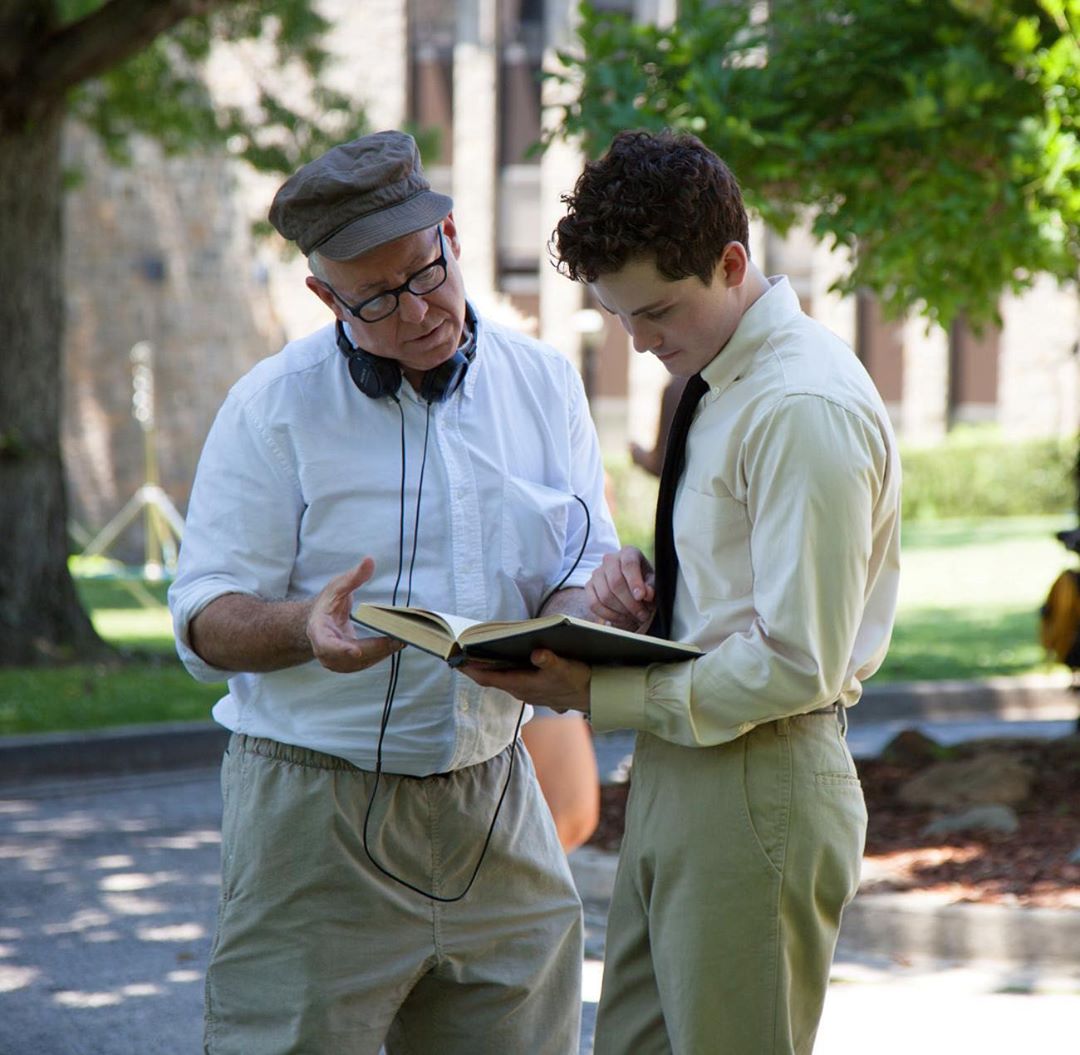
(301, 476)
(787, 529)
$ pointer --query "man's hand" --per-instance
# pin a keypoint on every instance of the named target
(332, 636)
(620, 592)
(561, 684)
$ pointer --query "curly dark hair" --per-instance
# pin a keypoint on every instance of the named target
(660, 194)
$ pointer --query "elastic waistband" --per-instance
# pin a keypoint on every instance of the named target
(305, 756)
(298, 756)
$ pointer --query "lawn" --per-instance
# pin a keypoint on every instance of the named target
(970, 593)
(969, 599)
(145, 684)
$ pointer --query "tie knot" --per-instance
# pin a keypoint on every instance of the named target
(696, 387)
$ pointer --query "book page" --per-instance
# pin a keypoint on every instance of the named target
(396, 618)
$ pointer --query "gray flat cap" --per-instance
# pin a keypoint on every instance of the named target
(358, 196)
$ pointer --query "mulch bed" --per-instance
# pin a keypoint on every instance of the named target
(1030, 866)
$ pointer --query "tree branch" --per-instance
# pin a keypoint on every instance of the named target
(90, 46)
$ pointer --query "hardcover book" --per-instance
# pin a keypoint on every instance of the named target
(455, 639)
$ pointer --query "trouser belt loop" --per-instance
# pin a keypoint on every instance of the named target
(837, 708)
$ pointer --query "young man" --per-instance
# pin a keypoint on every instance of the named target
(777, 553)
(359, 796)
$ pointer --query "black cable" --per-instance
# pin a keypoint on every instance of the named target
(577, 560)
(395, 666)
(419, 495)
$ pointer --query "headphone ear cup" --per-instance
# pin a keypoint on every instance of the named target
(374, 377)
(441, 381)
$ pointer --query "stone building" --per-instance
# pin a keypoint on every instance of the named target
(164, 252)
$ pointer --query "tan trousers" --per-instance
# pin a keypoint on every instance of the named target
(736, 863)
(319, 953)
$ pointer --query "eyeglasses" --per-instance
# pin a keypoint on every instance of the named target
(428, 279)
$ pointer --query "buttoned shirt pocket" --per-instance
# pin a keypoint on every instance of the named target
(712, 538)
(534, 526)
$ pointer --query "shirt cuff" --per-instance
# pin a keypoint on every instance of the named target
(617, 698)
(184, 610)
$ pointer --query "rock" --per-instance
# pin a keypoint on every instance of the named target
(986, 778)
(988, 818)
(912, 746)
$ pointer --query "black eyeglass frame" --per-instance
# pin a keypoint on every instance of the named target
(357, 310)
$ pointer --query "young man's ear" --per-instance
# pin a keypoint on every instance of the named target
(734, 264)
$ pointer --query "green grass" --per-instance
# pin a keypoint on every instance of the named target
(970, 593)
(93, 697)
(145, 684)
(969, 599)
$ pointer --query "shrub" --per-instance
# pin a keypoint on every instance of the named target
(977, 473)
(631, 494)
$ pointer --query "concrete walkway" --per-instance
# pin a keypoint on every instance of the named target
(109, 872)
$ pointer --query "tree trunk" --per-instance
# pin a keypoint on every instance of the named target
(41, 618)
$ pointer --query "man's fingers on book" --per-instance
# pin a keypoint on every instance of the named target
(604, 601)
(619, 584)
(602, 612)
(611, 617)
(633, 566)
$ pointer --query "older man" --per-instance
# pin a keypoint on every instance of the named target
(390, 873)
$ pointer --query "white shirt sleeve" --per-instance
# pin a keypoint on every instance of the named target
(242, 525)
(588, 483)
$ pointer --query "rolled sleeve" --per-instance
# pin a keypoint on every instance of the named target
(185, 606)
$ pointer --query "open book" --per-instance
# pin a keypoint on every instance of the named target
(455, 638)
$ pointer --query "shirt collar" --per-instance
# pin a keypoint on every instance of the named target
(773, 308)
(468, 348)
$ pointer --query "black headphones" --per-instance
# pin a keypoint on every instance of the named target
(376, 376)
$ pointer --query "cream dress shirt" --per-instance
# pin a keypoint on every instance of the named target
(787, 529)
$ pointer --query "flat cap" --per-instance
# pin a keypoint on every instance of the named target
(358, 196)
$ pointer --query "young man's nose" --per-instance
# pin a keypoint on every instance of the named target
(645, 338)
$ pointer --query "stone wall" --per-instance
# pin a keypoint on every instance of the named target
(163, 251)
(160, 251)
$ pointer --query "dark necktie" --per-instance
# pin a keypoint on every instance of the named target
(667, 560)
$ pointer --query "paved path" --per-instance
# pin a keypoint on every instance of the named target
(108, 889)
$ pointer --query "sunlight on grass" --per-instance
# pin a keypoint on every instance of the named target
(990, 564)
(136, 628)
(970, 593)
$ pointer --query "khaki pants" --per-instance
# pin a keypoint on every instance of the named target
(319, 953)
(735, 866)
